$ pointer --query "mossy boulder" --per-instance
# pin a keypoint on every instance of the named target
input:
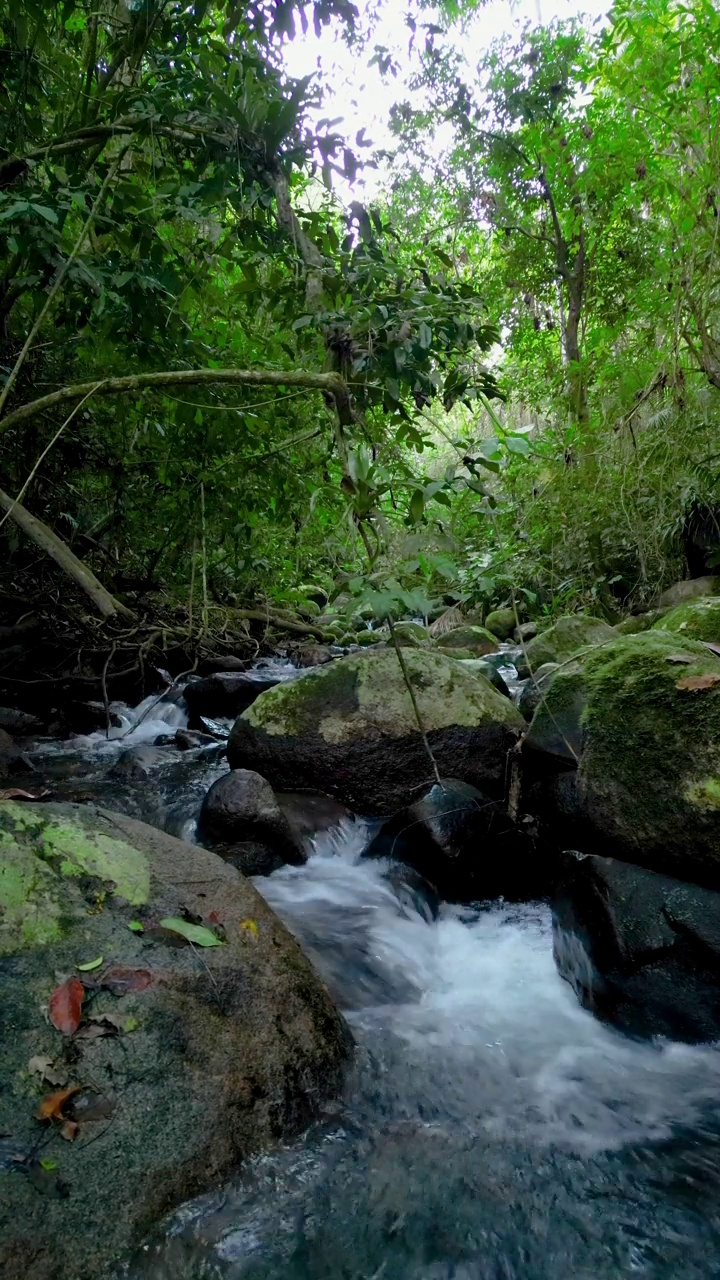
(219, 1051)
(350, 729)
(689, 589)
(366, 638)
(473, 640)
(411, 634)
(635, 623)
(647, 744)
(562, 640)
(697, 619)
(501, 623)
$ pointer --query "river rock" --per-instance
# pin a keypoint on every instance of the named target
(483, 667)
(648, 751)
(640, 949)
(241, 817)
(501, 623)
(562, 640)
(460, 841)
(222, 1050)
(697, 619)
(474, 641)
(526, 631)
(690, 589)
(224, 694)
(311, 813)
(230, 662)
(350, 729)
(20, 724)
(313, 655)
(89, 717)
(533, 690)
(635, 623)
(139, 762)
(411, 634)
(12, 759)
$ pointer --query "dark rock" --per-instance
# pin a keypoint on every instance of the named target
(308, 813)
(242, 819)
(224, 694)
(228, 663)
(349, 728)
(138, 762)
(20, 724)
(12, 759)
(88, 717)
(229, 1055)
(489, 670)
(313, 655)
(640, 949)
(556, 730)
(461, 842)
(526, 631)
(534, 688)
(191, 739)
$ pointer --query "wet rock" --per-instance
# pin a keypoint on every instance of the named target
(218, 1056)
(365, 638)
(461, 842)
(308, 813)
(501, 623)
(562, 640)
(489, 670)
(314, 655)
(12, 759)
(533, 691)
(230, 662)
(697, 619)
(224, 694)
(640, 949)
(20, 724)
(89, 717)
(349, 728)
(243, 820)
(648, 782)
(526, 631)
(192, 739)
(138, 762)
(411, 634)
(473, 640)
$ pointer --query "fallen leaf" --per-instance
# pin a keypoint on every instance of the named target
(120, 980)
(46, 1069)
(250, 926)
(136, 926)
(90, 965)
(215, 917)
(48, 1165)
(694, 684)
(109, 1024)
(17, 793)
(65, 1008)
(710, 644)
(51, 1106)
(70, 1130)
(94, 1031)
(196, 933)
(680, 657)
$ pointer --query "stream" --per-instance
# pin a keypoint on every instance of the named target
(491, 1129)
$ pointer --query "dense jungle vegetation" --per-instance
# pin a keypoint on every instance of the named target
(229, 384)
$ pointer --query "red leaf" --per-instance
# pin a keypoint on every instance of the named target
(215, 917)
(66, 1006)
(120, 980)
(53, 1104)
(692, 684)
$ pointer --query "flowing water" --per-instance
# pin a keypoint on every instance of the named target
(491, 1129)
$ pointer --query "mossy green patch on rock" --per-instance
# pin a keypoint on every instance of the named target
(474, 640)
(650, 762)
(563, 640)
(501, 623)
(411, 634)
(350, 727)
(697, 619)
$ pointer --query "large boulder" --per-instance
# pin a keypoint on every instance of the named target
(532, 692)
(484, 667)
(696, 619)
(187, 1058)
(562, 640)
(242, 819)
(640, 949)
(350, 729)
(462, 843)
(224, 694)
(690, 589)
(640, 717)
(474, 642)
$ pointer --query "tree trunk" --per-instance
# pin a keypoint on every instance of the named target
(106, 604)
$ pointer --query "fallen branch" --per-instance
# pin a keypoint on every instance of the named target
(43, 537)
(284, 624)
(329, 383)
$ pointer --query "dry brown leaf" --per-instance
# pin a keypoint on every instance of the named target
(45, 1068)
(680, 657)
(17, 793)
(695, 684)
(120, 980)
(65, 1008)
(70, 1130)
(51, 1106)
(710, 644)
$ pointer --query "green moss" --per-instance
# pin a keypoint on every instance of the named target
(368, 637)
(476, 641)
(705, 794)
(697, 619)
(501, 623)
(30, 909)
(102, 856)
(565, 638)
(411, 633)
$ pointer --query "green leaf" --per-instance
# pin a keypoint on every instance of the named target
(90, 965)
(417, 506)
(196, 933)
(425, 335)
(302, 322)
(136, 926)
(517, 444)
